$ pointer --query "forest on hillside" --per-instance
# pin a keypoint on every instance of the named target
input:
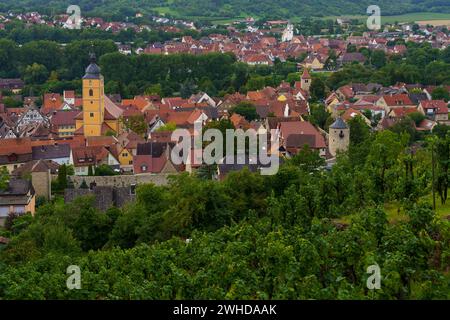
(229, 8)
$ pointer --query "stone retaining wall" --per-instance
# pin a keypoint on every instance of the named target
(120, 181)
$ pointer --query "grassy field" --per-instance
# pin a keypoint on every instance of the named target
(425, 17)
(165, 10)
(395, 213)
(410, 17)
(416, 17)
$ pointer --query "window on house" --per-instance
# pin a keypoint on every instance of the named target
(130, 162)
(91, 114)
(144, 168)
(91, 92)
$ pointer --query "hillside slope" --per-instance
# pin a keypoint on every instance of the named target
(231, 8)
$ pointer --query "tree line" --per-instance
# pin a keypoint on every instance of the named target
(120, 9)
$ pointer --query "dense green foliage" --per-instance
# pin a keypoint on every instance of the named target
(229, 8)
(250, 236)
(22, 33)
(48, 67)
(422, 64)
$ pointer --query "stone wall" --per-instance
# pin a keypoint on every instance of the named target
(105, 197)
(120, 181)
(41, 183)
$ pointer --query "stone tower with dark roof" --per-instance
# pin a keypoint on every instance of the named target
(305, 80)
(338, 137)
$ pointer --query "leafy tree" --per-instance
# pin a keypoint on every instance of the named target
(170, 126)
(382, 157)
(245, 109)
(136, 123)
(378, 59)
(308, 159)
(319, 115)
(4, 178)
(155, 89)
(35, 74)
(417, 117)
(62, 177)
(104, 170)
(317, 88)
(440, 93)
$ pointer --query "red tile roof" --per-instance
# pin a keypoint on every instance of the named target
(299, 128)
(440, 106)
(398, 100)
(52, 102)
(64, 118)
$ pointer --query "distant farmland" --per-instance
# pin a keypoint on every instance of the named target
(434, 22)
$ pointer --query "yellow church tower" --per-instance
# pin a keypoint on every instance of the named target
(100, 115)
(93, 100)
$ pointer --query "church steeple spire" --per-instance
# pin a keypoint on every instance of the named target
(93, 70)
(92, 57)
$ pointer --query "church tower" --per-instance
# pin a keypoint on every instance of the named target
(305, 80)
(93, 100)
(338, 137)
(288, 33)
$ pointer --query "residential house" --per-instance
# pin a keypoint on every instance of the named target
(13, 85)
(294, 135)
(389, 102)
(41, 172)
(63, 122)
(400, 113)
(351, 113)
(52, 102)
(313, 62)
(127, 149)
(153, 157)
(18, 199)
(14, 153)
(69, 97)
(239, 162)
(92, 156)
(33, 117)
(436, 110)
(351, 57)
(59, 153)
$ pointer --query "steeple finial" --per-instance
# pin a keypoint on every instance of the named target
(92, 57)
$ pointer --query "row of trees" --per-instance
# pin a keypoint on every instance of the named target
(21, 33)
(46, 66)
